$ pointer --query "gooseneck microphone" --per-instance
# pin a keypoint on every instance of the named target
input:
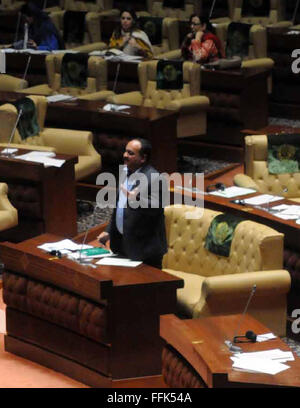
(212, 9)
(249, 334)
(6, 150)
(25, 43)
(18, 27)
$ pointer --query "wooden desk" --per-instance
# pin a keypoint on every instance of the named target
(201, 343)
(112, 130)
(45, 197)
(98, 326)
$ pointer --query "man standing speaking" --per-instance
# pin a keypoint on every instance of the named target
(138, 232)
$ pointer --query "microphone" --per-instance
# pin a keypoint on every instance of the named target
(5, 152)
(229, 344)
(25, 36)
(87, 261)
(295, 12)
(211, 9)
(18, 27)
(27, 66)
(116, 76)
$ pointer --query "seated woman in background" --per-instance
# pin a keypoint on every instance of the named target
(42, 33)
(201, 45)
(128, 38)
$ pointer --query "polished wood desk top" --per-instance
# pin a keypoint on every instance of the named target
(201, 343)
(94, 283)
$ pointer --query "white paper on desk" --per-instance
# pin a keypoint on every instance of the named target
(78, 255)
(274, 354)
(64, 246)
(111, 107)
(262, 199)
(9, 150)
(233, 191)
(41, 158)
(286, 216)
(258, 365)
(64, 52)
(60, 98)
(118, 262)
(264, 337)
(37, 153)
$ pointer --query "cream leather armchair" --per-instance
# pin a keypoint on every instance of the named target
(9, 83)
(274, 19)
(92, 32)
(257, 175)
(217, 285)
(188, 102)
(96, 81)
(11, 5)
(64, 141)
(8, 213)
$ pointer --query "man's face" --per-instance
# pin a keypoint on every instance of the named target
(132, 157)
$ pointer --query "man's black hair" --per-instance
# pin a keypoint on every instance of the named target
(146, 148)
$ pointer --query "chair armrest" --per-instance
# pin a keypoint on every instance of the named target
(174, 54)
(8, 213)
(190, 104)
(96, 46)
(131, 98)
(28, 147)
(67, 141)
(240, 284)
(266, 63)
(242, 180)
(42, 89)
(96, 96)
(10, 83)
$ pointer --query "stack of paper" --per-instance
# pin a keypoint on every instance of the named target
(42, 157)
(267, 362)
(60, 98)
(286, 212)
(233, 191)
(262, 199)
(118, 262)
(65, 246)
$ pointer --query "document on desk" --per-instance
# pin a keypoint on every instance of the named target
(118, 262)
(9, 150)
(268, 362)
(112, 107)
(262, 199)
(65, 246)
(233, 191)
(46, 158)
(60, 98)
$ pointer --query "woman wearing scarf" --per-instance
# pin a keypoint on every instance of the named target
(128, 38)
(201, 45)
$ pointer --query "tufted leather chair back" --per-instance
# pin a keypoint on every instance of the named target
(160, 98)
(258, 40)
(8, 116)
(255, 247)
(75, 5)
(256, 166)
(275, 15)
(170, 36)
(92, 31)
(157, 10)
(96, 81)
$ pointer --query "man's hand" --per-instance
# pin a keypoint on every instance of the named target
(103, 238)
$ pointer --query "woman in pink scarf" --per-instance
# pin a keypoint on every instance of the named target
(201, 45)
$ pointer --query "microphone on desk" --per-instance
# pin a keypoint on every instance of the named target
(18, 26)
(116, 77)
(250, 335)
(295, 12)
(81, 260)
(12, 135)
(27, 66)
(25, 36)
